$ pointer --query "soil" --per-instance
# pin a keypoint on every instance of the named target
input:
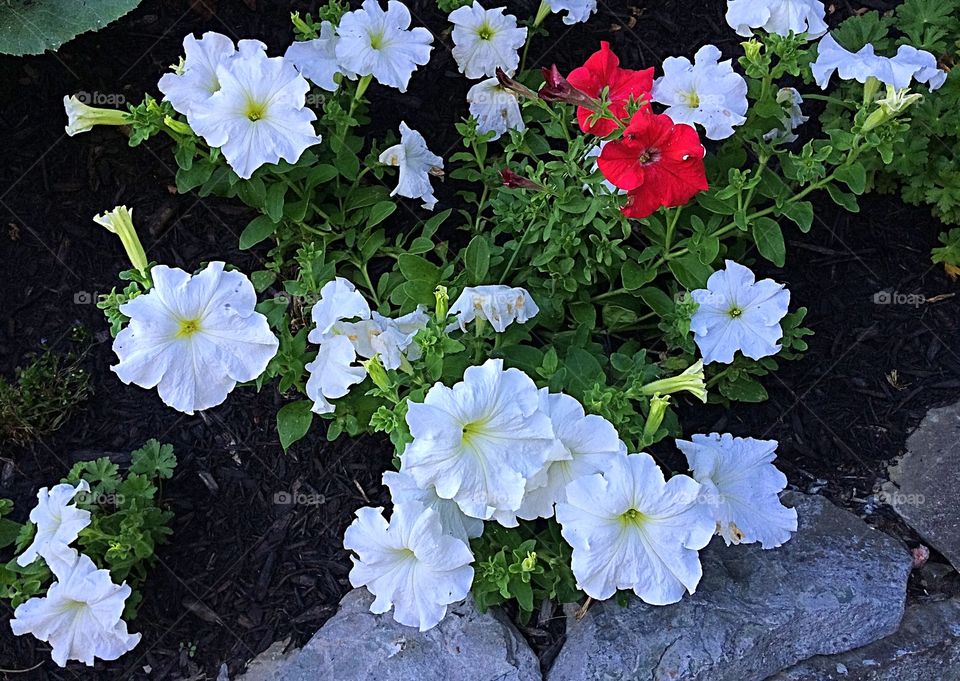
(245, 568)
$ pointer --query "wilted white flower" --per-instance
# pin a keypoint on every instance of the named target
(416, 163)
(317, 59)
(738, 313)
(792, 117)
(495, 108)
(707, 92)
(194, 337)
(409, 564)
(404, 488)
(577, 11)
(485, 39)
(58, 524)
(898, 71)
(194, 82)
(259, 114)
(390, 339)
(500, 305)
(80, 617)
(631, 529)
(379, 44)
(82, 118)
(588, 443)
(479, 441)
(741, 488)
(777, 16)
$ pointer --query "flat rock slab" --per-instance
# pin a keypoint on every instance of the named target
(923, 485)
(356, 645)
(926, 647)
(837, 585)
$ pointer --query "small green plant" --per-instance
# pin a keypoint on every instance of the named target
(41, 396)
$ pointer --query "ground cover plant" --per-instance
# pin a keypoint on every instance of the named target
(590, 284)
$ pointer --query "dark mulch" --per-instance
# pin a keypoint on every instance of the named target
(245, 568)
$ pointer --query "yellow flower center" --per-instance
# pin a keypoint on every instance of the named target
(376, 41)
(632, 517)
(188, 327)
(486, 32)
(692, 99)
(735, 312)
(255, 110)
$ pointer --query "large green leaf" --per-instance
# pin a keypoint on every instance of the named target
(34, 26)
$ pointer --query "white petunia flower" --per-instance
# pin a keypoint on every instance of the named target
(495, 108)
(409, 564)
(80, 617)
(58, 524)
(777, 16)
(82, 117)
(379, 44)
(707, 92)
(259, 114)
(317, 59)
(738, 313)
(741, 487)
(484, 40)
(194, 337)
(577, 11)
(909, 64)
(588, 444)
(631, 529)
(500, 305)
(391, 339)
(416, 163)
(479, 441)
(791, 119)
(339, 300)
(192, 85)
(404, 488)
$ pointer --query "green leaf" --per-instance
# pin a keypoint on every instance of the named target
(8, 532)
(273, 204)
(657, 300)
(635, 275)
(690, 272)
(769, 238)
(744, 389)
(417, 268)
(293, 422)
(34, 26)
(801, 213)
(843, 199)
(380, 212)
(854, 176)
(260, 228)
(476, 259)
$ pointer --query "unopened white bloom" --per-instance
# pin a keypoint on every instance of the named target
(738, 313)
(741, 488)
(80, 617)
(259, 114)
(377, 43)
(416, 163)
(792, 117)
(479, 441)
(404, 488)
(485, 39)
(82, 118)
(588, 443)
(777, 16)
(58, 524)
(500, 305)
(708, 92)
(196, 80)
(631, 529)
(409, 564)
(577, 11)
(496, 109)
(909, 64)
(317, 59)
(194, 337)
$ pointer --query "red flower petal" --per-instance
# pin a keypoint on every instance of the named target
(602, 70)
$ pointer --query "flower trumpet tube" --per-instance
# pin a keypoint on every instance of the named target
(691, 380)
(658, 408)
(514, 86)
(81, 117)
(512, 180)
(120, 222)
(556, 88)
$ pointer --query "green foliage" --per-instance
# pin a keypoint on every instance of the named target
(949, 253)
(43, 394)
(35, 26)
(450, 5)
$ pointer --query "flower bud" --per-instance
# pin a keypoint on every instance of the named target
(512, 180)
(658, 408)
(120, 222)
(690, 380)
(81, 118)
(377, 373)
(556, 88)
(443, 303)
(178, 127)
(514, 86)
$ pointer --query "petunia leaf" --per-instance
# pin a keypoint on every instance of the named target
(35, 26)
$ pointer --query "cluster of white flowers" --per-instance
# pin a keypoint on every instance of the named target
(781, 17)
(899, 71)
(81, 615)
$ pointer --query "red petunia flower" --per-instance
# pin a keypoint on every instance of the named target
(658, 162)
(602, 70)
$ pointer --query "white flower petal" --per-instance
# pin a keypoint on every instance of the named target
(577, 11)
(777, 16)
(404, 488)
(485, 40)
(317, 59)
(908, 64)
(333, 372)
(416, 162)
(58, 523)
(339, 300)
(500, 305)
(198, 80)
(496, 109)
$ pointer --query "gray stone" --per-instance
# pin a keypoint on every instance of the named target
(927, 646)
(356, 645)
(837, 585)
(923, 485)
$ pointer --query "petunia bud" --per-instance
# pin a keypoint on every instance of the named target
(890, 107)
(556, 88)
(690, 380)
(120, 222)
(377, 373)
(512, 180)
(81, 118)
(443, 302)
(658, 408)
(178, 127)
(514, 86)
